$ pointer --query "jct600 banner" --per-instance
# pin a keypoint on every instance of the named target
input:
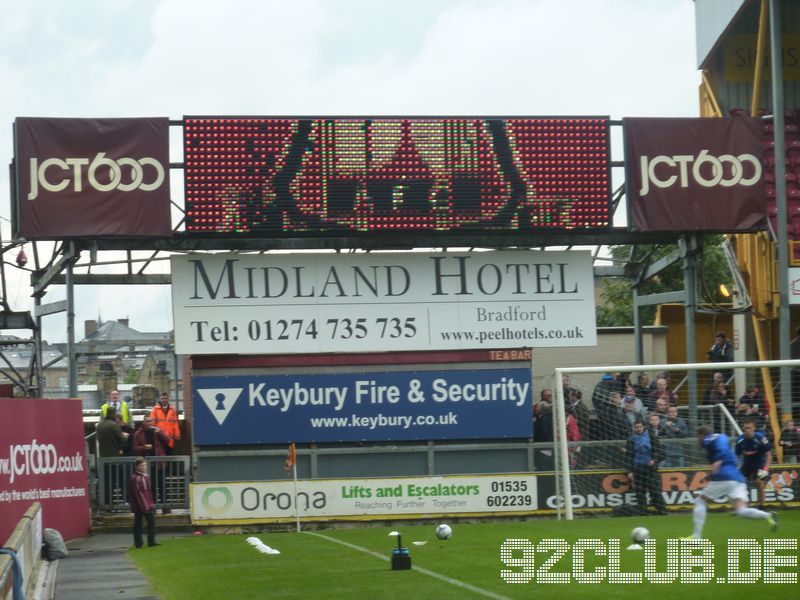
(404, 405)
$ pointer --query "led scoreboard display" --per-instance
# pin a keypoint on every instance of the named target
(306, 177)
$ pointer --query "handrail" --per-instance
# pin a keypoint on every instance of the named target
(25, 541)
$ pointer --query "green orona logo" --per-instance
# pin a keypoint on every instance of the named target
(217, 500)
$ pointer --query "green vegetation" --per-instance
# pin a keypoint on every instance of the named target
(616, 307)
(309, 566)
(131, 376)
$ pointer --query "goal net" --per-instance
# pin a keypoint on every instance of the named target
(595, 414)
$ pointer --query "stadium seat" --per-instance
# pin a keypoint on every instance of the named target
(790, 131)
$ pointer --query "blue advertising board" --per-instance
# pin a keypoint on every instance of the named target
(379, 406)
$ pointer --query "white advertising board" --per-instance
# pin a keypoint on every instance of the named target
(372, 302)
(329, 499)
(794, 285)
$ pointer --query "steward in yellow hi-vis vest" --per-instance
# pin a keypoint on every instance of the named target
(120, 407)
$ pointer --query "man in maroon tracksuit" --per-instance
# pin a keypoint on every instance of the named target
(140, 496)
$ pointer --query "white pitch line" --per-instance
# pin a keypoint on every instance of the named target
(428, 572)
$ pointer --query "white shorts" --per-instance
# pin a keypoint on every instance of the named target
(721, 491)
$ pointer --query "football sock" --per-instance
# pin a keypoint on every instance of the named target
(699, 516)
(752, 513)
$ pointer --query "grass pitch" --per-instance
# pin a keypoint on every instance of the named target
(347, 563)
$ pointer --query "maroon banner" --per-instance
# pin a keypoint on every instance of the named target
(695, 174)
(42, 459)
(92, 177)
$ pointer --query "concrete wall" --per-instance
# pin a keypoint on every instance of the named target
(615, 346)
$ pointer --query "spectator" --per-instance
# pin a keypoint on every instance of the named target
(752, 398)
(630, 396)
(150, 441)
(721, 395)
(674, 428)
(634, 411)
(716, 380)
(644, 387)
(121, 408)
(662, 391)
(141, 498)
(794, 354)
(616, 421)
(602, 393)
(614, 427)
(661, 408)
(166, 419)
(790, 442)
(644, 452)
(576, 404)
(565, 384)
(721, 352)
(545, 401)
(128, 431)
(655, 424)
(110, 442)
(573, 435)
(622, 379)
(543, 430)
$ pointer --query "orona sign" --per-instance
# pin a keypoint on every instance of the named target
(324, 499)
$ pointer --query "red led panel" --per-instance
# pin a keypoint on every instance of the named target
(304, 177)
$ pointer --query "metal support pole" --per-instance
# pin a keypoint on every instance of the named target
(638, 345)
(73, 366)
(37, 348)
(688, 246)
(776, 58)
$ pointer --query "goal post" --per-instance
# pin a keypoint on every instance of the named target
(593, 414)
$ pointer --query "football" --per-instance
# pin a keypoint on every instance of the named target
(640, 534)
(443, 532)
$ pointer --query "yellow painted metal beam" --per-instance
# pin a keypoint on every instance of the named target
(710, 97)
(761, 42)
(768, 391)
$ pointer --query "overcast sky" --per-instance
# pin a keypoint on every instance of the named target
(126, 58)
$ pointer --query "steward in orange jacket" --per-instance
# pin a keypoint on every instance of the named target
(166, 419)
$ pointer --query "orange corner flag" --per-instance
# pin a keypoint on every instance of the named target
(291, 458)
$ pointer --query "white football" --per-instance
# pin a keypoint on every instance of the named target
(443, 532)
(640, 534)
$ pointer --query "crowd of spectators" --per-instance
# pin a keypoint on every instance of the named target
(618, 402)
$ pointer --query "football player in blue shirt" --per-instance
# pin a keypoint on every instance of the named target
(726, 482)
(753, 446)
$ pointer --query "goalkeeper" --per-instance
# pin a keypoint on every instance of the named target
(756, 453)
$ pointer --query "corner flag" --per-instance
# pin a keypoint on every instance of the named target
(291, 458)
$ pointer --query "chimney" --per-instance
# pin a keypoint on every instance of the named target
(89, 327)
(124, 321)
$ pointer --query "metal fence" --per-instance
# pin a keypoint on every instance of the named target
(170, 476)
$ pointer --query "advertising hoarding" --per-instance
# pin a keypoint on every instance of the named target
(469, 495)
(695, 174)
(396, 497)
(42, 460)
(92, 177)
(377, 302)
(374, 406)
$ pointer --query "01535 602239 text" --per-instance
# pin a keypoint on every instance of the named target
(747, 561)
